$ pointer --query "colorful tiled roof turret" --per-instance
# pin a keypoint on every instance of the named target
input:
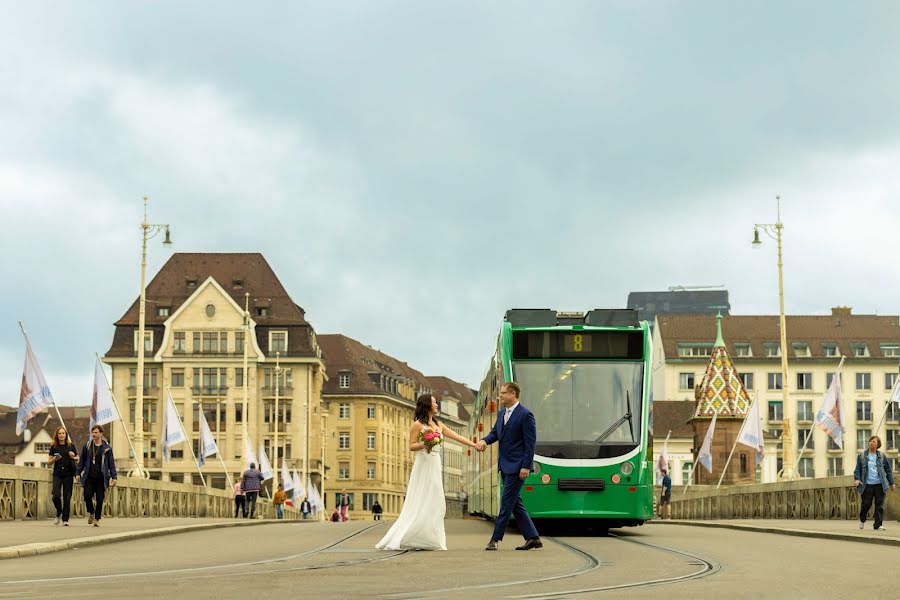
(721, 391)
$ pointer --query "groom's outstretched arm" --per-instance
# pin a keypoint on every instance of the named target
(491, 437)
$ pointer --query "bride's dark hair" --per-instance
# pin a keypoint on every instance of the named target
(423, 407)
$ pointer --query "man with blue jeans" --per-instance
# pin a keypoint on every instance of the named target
(872, 477)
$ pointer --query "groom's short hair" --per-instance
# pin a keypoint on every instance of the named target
(514, 387)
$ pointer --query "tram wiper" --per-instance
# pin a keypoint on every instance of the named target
(617, 424)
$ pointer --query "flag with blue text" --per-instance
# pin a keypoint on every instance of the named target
(208, 446)
(265, 467)
(35, 395)
(704, 457)
(299, 492)
(286, 480)
(173, 430)
(895, 395)
(830, 417)
(103, 409)
(751, 431)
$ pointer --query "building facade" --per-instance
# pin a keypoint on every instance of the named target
(205, 313)
(370, 398)
(869, 344)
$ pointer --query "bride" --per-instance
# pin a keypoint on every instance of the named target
(421, 522)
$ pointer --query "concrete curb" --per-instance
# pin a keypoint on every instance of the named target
(124, 536)
(844, 537)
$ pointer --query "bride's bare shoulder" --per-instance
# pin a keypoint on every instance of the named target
(417, 425)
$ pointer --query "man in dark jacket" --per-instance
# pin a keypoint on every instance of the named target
(872, 478)
(251, 482)
(96, 471)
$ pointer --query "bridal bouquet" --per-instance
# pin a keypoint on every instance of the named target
(430, 439)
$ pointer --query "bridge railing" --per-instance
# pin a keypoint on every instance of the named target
(25, 493)
(825, 498)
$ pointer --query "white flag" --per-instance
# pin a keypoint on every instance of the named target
(208, 446)
(34, 395)
(286, 480)
(317, 498)
(831, 416)
(299, 492)
(895, 396)
(264, 466)
(705, 455)
(751, 431)
(248, 454)
(103, 409)
(173, 430)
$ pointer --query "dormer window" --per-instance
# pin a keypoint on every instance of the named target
(191, 282)
(693, 350)
(859, 350)
(830, 349)
(237, 283)
(743, 350)
(162, 311)
(772, 349)
(262, 311)
(344, 381)
(890, 350)
(801, 350)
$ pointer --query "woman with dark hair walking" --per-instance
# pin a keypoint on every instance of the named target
(62, 455)
(96, 471)
(421, 522)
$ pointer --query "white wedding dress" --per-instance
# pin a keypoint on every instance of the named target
(420, 525)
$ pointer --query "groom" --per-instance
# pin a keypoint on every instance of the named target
(516, 431)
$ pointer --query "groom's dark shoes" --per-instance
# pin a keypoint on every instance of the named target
(532, 543)
(492, 545)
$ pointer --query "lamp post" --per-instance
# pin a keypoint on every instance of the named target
(277, 374)
(773, 230)
(148, 231)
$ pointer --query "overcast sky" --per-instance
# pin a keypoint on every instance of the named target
(413, 169)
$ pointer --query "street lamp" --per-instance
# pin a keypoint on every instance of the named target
(773, 230)
(148, 231)
(278, 371)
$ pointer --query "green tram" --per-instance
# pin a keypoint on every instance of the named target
(586, 378)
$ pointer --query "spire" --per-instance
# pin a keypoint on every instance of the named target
(719, 340)
(721, 391)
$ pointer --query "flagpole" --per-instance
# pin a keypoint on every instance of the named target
(837, 373)
(56, 408)
(730, 454)
(691, 475)
(143, 474)
(224, 468)
(188, 441)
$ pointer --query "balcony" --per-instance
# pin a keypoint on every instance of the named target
(209, 391)
(285, 390)
(282, 427)
(148, 391)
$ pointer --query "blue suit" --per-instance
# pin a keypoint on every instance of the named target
(517, 439)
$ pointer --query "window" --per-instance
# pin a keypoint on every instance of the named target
(693, 350)
(262, 311)
(890, 350)
(238, 413)
(149, 411)
(773, 381)
(162, 311)
(370, 411)
(805, 467)
(238, 377)
(177, 377)
(369, 500)
(149, 378)
(237, 283)
(210, 310)
(829, 377)
(179, 343)
(862, 439)
(370, 440)
(745, 465)
(747, 379)
(344, 380)
(191, 283)
(802, 434)
(42, 448)
(176, 453)
(893, 440)
(370, 471)
(893, 413)
(863, 410)
(148, 341)
(835, 466)
(863, 382)
(801, 349)
(804, 381)
(686, 381)
(344, 440)
(343, 410)
(771, 349)
(239, 341)
(743, 350)
(832, 445)
(278, 341)
(686, 468)
(804, 410)
(829, 349)
(343, 471)
(859, 350)
(890, 379)
(776, 411)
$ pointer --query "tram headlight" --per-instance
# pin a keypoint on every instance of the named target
(536, 467)
(626, 468)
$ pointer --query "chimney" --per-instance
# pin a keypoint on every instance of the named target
(841, 311)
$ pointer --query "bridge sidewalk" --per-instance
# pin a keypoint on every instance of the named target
(27, 538)
(823, 529)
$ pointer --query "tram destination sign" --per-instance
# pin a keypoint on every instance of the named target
(628, 345)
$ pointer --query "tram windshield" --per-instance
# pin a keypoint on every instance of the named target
(576, 404)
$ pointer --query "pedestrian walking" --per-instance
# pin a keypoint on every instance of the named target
(239, 498)
(251, 482)
(62, 456)
(96, 471)
(345, 506)
(873, 477)
(665, 496)
(305, 508)
(376, 511)
(278, 502)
